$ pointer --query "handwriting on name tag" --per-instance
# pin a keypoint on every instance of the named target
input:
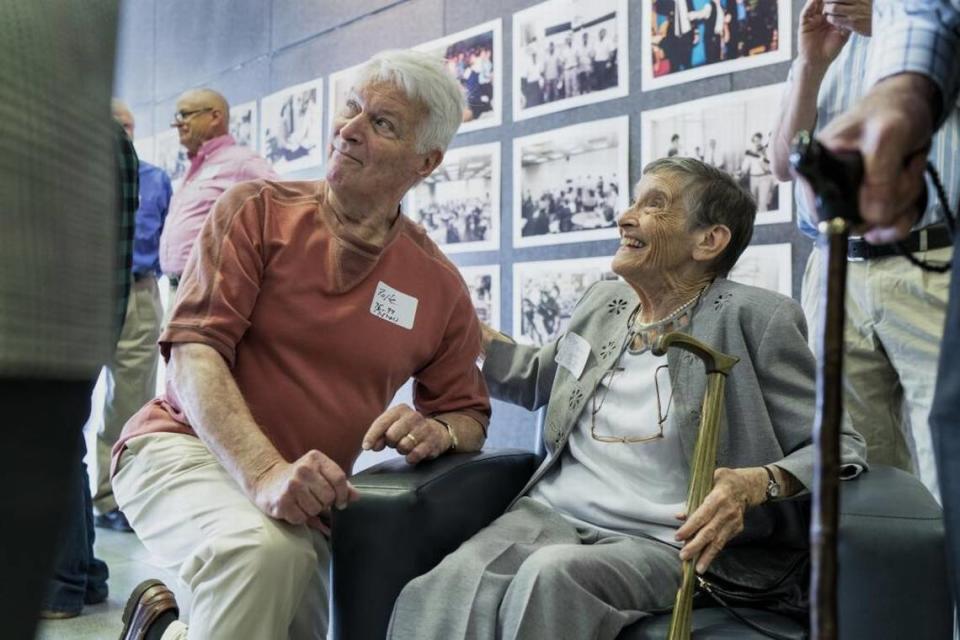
(394, 306)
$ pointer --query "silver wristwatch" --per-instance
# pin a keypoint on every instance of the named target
(773, 487)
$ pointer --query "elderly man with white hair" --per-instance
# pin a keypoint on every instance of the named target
(303, 309)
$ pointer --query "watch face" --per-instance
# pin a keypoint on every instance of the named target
(773, 489)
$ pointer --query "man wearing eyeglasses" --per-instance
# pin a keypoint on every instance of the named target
(217, 163)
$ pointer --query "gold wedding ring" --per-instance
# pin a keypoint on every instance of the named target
(412, 437)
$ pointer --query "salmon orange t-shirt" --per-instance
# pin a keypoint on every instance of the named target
(319, 328)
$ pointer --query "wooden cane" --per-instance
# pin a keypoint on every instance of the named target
(718, 366)
(835, 179)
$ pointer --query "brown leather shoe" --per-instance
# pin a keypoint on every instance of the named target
(149, 600)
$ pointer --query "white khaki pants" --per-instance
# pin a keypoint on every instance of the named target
(250, 577)
(894, 322)
(131, 379)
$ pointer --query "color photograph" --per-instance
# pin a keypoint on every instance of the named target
(694, 39)
(474, 58)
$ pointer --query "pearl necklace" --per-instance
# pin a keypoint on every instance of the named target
(647, 333)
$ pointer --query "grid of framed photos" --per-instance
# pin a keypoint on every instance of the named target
(523, 229)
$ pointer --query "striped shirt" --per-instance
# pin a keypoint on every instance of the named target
(861, 63)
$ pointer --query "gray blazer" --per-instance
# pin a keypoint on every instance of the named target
(58, 188)
(769, 397)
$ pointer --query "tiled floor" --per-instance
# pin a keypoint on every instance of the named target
(129, 564)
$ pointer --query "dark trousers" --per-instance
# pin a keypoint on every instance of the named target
(43, 421)
(945, 423)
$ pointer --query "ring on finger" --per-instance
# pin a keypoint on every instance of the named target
(412, 437)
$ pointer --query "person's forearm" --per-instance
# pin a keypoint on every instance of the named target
(489, 334)
(218, 413)
(798, 112)
(470, 434)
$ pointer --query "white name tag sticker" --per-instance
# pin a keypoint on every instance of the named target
(572, 353)
(210, 172)
(393, 306)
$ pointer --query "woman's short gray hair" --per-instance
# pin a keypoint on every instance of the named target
(425, 79)
(713, 197)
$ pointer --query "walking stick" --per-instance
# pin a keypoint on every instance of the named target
(718, 366)
(835, 179)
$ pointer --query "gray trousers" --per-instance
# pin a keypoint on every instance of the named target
(532, 574)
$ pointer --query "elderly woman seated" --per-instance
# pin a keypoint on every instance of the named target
(596, 539)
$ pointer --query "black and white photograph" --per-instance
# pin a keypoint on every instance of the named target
(570, 184)
(474, 58)
(730, 131)
(484, 285)
(339, 84)
(568, 53)
(171, 157)
(146, 148)
(459, 203)
(291, 127)
(692, 39)
(243, 124)
(768, 266)
(545, 293)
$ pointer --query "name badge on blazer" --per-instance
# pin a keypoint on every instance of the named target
(572, 353)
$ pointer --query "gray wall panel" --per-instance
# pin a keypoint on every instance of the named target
(196, 41)
(134, 79)
(297, 20)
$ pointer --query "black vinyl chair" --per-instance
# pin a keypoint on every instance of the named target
(892, 581)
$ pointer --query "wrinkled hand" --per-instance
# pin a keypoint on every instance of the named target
(301, 491)
(409, 432)
(720, 517)
(891, 126)
(850, 15)
(820, 39)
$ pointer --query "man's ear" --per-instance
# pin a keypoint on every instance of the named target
(429, 161)
(711, 242)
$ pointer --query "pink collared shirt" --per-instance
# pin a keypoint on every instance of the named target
(219, 164)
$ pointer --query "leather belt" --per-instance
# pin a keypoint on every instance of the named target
(926, 239)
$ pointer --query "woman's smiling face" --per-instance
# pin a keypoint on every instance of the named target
(654, 234)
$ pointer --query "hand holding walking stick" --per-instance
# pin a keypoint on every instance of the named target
(718, 366)
(835, 179)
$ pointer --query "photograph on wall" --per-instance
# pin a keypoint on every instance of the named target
(484, 285)
(767, 266)
(291, 127)
(459, 203)
(170, 156)
(339, 84)
(145, 149)
(568, 53)
(243, 124)
(693, 39)
(545, 293)
(475, 60)
(570, 184)
(730, 131)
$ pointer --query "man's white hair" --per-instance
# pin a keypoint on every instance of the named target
(425, 79)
